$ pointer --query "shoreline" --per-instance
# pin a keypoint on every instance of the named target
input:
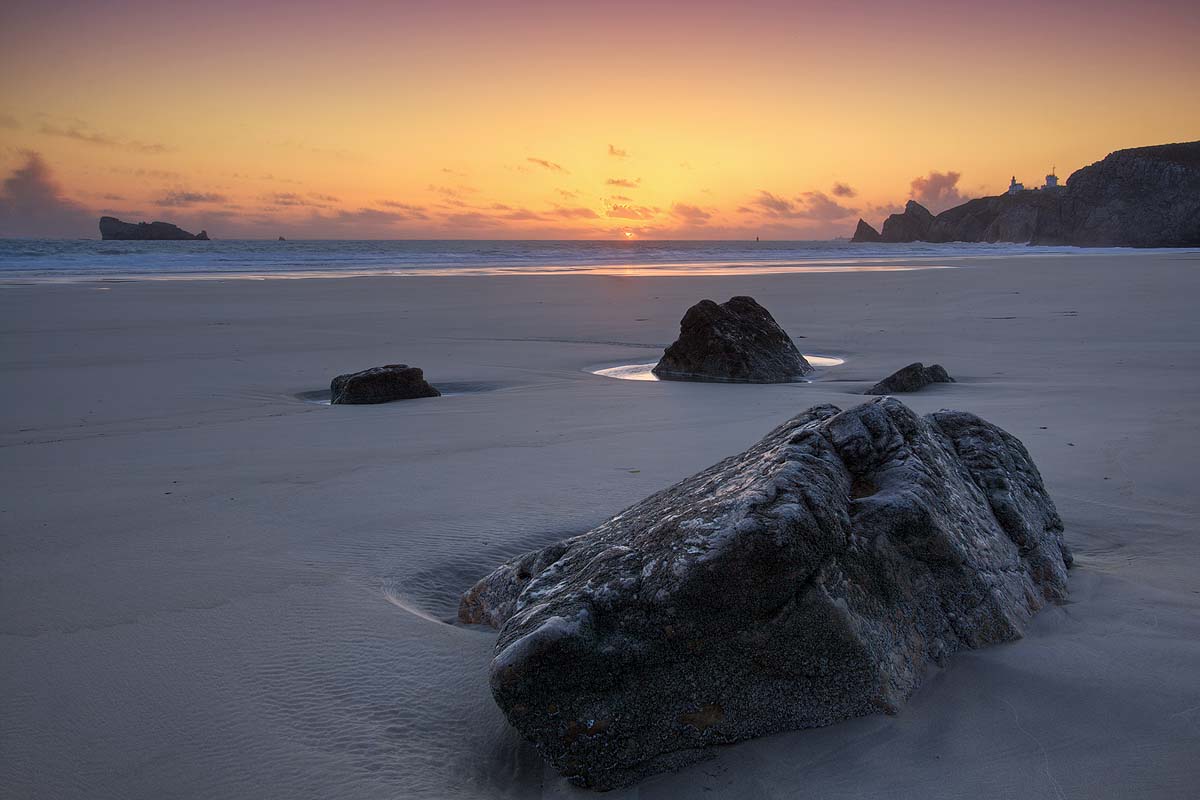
(845, 261)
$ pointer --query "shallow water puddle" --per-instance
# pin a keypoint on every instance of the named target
(642, 372)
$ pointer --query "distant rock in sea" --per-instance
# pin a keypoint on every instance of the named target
(912, 378)
(380, 385)
(737, 341)
(865, 233)
(282, 239)
(1141, 197)
(113, 228)
(810, 579)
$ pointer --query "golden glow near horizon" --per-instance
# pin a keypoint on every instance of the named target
(521, 120)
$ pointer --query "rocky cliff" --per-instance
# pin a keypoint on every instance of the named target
(1142, 197)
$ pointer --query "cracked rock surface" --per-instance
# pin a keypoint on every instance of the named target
(810, 579)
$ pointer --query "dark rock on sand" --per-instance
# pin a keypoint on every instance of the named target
(912, 225)
(912, 378)
(113, 228)
(381, 385)
(865, 233)
(737, 341)
(810, 579)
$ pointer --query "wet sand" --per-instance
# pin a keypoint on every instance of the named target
(213, 586)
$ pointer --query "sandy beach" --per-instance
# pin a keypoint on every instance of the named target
(214, 586)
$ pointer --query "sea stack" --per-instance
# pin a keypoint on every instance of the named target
(737, 341)
(810, 579)
(380, 385)
(865, 234)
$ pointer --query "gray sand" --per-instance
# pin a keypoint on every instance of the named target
(211, 587)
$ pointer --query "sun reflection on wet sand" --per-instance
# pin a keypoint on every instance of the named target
(642, 372)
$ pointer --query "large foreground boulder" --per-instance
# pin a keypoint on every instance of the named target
(912, 378)
(113, 228)
(380, 385)
(810, 579)
(737, 341)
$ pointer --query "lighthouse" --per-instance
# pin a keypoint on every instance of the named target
(1051, 180)
(1014, 187)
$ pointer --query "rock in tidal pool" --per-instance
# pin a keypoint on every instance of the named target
(737, 341)
(912, 378)
(810, 579)
(380, 385)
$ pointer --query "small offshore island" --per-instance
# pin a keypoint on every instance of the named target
(113, 228)
(1141, 197)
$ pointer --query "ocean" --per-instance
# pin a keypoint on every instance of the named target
(30, 260)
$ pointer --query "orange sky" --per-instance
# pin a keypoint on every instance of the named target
(564, 120)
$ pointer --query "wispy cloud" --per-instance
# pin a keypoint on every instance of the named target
(843, 190)
(816, 206)
(521, 215)
(578, 212)
(9, 121)
(288, 199)
(549, 165)
(157, 174)
(182, 198)
(624, 183)
(820, 206)
(771, 204)
(368, 215)
(632, 212)
(413, 211)
(617, 152)
(473, 219)
(81, 133)
(452, 191)
(689, 213)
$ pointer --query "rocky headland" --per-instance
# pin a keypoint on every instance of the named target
(1141, 197)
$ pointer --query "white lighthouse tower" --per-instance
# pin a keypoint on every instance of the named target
(1014, 187)
(1051, 180)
